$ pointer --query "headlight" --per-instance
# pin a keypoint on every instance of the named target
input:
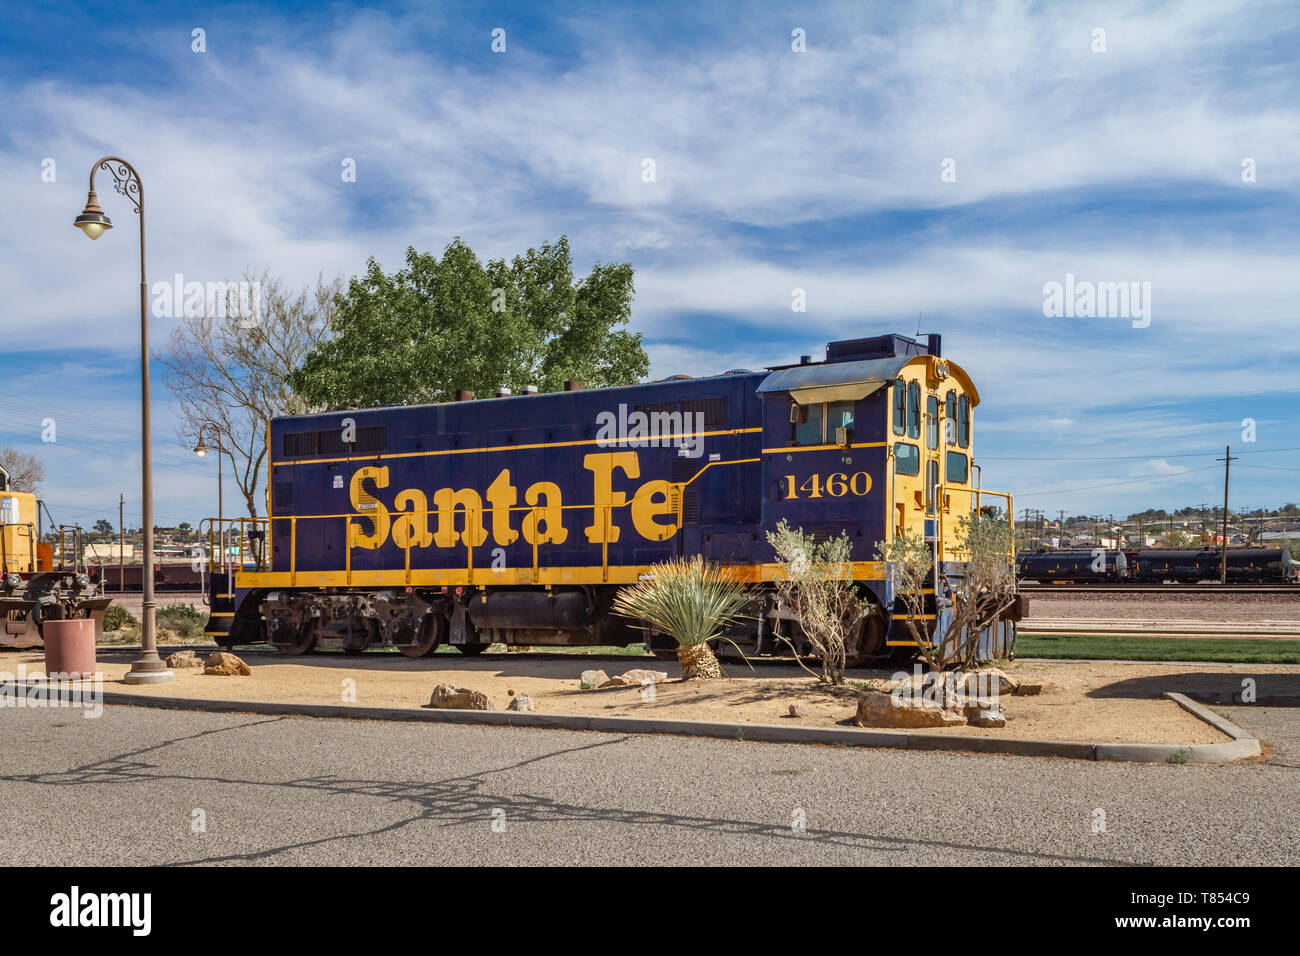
(14, 581)
(83, 580)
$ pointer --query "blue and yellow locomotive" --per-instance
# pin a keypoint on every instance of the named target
(515, 519)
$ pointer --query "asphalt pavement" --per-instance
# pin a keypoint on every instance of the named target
(145, 786)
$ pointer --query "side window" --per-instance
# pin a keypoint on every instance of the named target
(907, 459)
(839, 415)
(931, 479)
(950, 419)
(809, 432)
(932, 422)
(956, 468)
(900, 409)
(963, 422)
(913, 410)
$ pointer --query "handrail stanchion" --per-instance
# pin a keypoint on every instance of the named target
(293, 552)
(536, 532)
(347, 536)
(604, 548)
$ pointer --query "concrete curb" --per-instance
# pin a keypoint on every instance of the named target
(1241, 745)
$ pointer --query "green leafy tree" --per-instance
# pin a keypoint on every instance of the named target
(438, 325)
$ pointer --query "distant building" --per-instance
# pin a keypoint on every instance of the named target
(109, 553)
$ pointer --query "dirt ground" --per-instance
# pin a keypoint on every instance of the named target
(1083, 701)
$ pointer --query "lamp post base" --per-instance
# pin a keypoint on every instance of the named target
(148, 672)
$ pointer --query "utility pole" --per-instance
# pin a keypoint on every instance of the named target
(1227, 460)
(121, 544)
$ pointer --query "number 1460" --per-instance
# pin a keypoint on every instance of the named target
(837, 485)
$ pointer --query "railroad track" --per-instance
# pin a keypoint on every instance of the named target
(1213, 590)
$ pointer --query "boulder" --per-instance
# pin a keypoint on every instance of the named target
(618, 680)
(223, 664)
(522, 703)
(886, 710)
(988, 683)
(589, 679)
(640, 675)
(182, 659)
(988, 718)
(447, 697)
(1028, 690)
(798, 710)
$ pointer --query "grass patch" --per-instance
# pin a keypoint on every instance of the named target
(1112, 647)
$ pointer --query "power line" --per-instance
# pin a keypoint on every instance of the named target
(1114, 484)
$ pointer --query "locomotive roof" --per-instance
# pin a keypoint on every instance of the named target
(812, 375)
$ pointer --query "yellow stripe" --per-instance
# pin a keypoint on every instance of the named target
(865, 444)
(482, 451)
(464, 577)
(222, 614)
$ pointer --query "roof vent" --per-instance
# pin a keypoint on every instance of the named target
(573, 385)
(805, 359)
(504, 392)
(530, 389)
(464, 395)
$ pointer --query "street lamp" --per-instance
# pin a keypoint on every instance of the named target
(149, 668)
(201, 449)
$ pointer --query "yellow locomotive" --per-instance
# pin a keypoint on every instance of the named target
(34, 587)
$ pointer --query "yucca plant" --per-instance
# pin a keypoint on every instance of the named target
(690, 600)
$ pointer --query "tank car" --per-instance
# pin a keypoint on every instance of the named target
(1097, 566)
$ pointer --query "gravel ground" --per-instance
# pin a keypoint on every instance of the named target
(123, 789)
(1173, 607)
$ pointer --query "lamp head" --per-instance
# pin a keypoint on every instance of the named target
(92, 220)
(202, 449)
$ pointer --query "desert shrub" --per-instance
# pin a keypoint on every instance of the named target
(691, 601)
(118, 618)
(816, 583)
(184, 619)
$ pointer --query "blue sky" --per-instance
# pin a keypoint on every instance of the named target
(775, 170)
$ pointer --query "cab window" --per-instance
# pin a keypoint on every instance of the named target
(913, 410)
(839, 415)
(950, 419)
(957, 468)
(900, 409)
(932, 422)
(963, 422)
(907, 459)
(931, 479)
(809, 431)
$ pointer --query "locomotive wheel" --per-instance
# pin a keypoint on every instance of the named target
(367, 631)
(871, 642)
(306, 638)
(434, 630)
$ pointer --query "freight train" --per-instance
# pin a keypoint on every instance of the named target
(516, 519)
(35, 585)
(1159, 565)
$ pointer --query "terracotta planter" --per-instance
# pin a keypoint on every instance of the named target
(70, 647)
